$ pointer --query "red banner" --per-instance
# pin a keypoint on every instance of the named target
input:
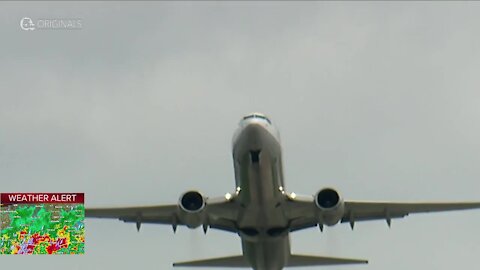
(35, 198)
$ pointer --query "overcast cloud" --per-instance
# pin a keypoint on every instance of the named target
(378, 99)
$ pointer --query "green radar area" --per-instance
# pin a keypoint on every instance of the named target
(42, 223)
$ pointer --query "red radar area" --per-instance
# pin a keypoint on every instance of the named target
(42, 223)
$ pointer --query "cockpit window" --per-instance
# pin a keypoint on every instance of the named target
(255, 115)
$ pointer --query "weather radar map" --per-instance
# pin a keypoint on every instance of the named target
(42, 223)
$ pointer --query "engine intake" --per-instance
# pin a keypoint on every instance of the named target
(192, 204)
(327, 198)
(330, 205)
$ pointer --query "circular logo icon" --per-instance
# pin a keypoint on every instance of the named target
(27, 24)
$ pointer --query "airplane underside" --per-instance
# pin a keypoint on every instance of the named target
(262, 212)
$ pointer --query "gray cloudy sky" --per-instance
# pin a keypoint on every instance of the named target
(378, 99)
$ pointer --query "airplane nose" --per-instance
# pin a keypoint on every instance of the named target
(254, 134)
(254, 128)
(254, 131)
(257, 129)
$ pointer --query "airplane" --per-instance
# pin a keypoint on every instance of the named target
(262, 212)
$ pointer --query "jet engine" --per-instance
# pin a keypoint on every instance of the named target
(330, 205)
(192, 204)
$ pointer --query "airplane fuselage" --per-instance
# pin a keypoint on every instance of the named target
(262, 224)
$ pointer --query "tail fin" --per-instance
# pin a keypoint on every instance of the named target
(233, 261)
(304, 260)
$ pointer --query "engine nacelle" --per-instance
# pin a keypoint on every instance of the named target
(330, 205)
(192, 204)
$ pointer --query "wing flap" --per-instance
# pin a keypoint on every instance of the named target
(232, 261)
(305, 260)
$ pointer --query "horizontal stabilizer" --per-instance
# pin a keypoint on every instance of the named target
(233, 261)
(303, 260)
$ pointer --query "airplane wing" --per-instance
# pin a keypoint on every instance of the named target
(364, 210)
(219, 214)
(302, 211)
